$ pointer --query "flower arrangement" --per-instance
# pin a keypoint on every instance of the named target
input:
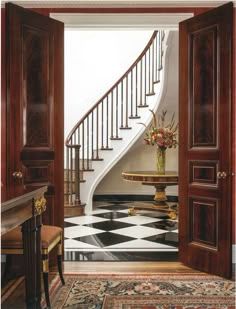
(160, 135)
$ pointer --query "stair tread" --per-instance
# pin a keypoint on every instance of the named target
(74, 205)
(125, 128)
(87, 170)
(143, 105)
(134, 117)
(116, 138)
(150, 94)
(73, 181)
(106, 148)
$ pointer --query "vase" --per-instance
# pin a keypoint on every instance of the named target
(161, 161)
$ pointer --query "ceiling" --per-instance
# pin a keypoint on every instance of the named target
(117, 3)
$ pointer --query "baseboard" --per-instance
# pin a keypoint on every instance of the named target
(130, 197)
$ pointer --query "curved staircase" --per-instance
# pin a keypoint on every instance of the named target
(110, 128)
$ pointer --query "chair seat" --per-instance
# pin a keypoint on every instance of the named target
(51, 236)
(13, 239)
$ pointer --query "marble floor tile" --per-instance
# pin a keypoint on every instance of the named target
(110, 233)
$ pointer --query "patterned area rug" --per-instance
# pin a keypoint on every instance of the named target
(156, 291)
(164, 302)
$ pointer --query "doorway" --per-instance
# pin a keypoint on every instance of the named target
(215, 13)
(90, 238)
(213, 16)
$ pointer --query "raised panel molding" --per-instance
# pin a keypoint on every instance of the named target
(36, 90)
(38, 173)
(203, 173)
(203, 216)
(203, 88)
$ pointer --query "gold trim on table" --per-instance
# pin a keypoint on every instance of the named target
(40, 205)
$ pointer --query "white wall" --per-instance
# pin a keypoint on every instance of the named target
(143, 157)
(94, 61)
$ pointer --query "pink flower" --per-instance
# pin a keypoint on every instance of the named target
(163, 137)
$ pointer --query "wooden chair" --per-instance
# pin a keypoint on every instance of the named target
(51, 236)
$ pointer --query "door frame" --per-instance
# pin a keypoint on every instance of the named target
(101, 21)
(178, 6)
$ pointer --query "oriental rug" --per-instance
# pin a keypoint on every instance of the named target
(148, 291)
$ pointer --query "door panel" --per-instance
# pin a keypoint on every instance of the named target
(36, 104)
(203, 45)
(205, 141)
(35, 112)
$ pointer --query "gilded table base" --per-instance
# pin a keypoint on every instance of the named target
(171, 211)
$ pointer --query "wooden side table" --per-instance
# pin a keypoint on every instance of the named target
(26, 210)
(160, 182)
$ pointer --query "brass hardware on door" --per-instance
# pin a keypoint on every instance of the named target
(221, 175)
(19, 179)
(17, 175)
(224, 175)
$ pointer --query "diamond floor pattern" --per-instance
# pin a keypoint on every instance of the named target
(110, 233)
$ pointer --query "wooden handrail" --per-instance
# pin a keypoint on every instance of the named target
(67, 142)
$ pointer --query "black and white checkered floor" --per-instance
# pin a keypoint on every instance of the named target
(110, 233)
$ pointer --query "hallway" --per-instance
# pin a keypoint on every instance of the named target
(109, 233)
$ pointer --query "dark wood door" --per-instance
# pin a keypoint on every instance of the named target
(205, 46)
(35, 114)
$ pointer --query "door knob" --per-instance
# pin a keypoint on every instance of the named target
(221, 175)
(17, 175)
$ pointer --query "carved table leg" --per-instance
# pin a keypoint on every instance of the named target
(160, 195)
(38, 259)
(32, 256)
